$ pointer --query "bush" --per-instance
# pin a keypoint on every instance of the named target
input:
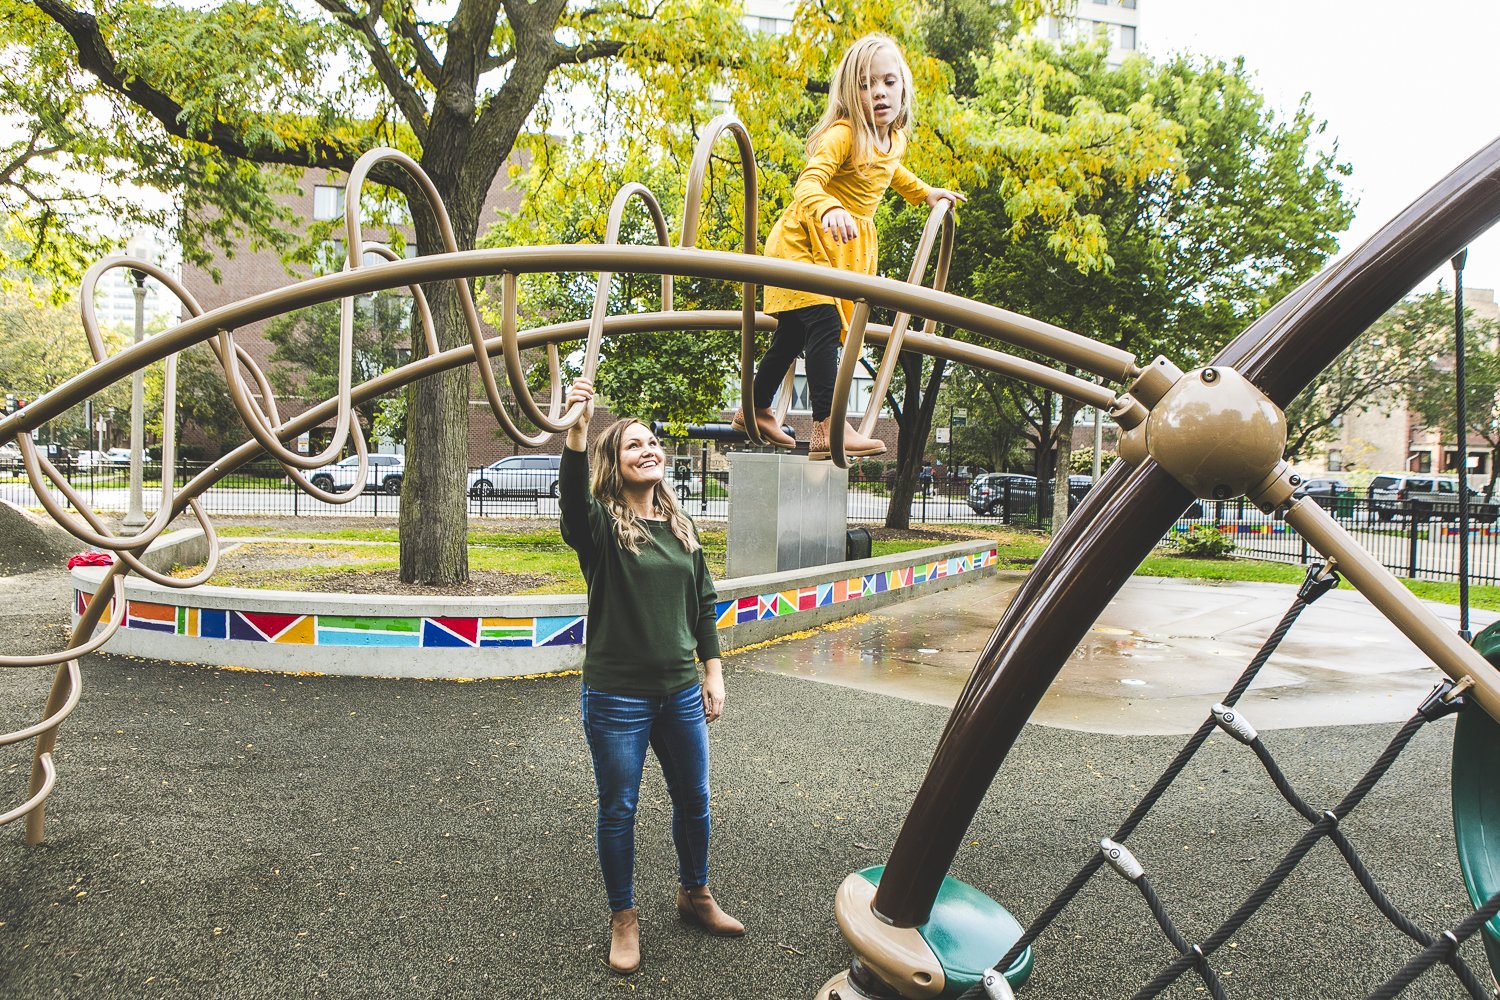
(1203, 541)
(869, 470)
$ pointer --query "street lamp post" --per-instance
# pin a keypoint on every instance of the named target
(135, 517)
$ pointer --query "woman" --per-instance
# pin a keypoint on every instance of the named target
(651, 608)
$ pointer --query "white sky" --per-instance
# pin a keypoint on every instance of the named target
(1408, 89)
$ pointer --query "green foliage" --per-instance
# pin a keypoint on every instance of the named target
(1188, 251)
(1407, 355)
(1203, 541)
(1081, 462)
(208, 424)
(305, 360)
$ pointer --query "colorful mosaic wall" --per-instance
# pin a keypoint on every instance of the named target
(478, 633)
(757, 607)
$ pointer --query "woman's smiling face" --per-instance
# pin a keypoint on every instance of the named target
(642, 461)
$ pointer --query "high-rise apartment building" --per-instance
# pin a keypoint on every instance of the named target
(1117, 20)
(114, 296)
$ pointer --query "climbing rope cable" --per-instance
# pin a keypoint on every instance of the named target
(1444, 700)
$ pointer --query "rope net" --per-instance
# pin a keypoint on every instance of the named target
(1440, 948)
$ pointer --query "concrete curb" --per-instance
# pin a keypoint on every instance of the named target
(467, 637)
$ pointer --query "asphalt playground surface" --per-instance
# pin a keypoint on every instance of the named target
(238, 835)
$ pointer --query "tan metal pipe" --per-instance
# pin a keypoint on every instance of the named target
(1416, 621)
(951, 310)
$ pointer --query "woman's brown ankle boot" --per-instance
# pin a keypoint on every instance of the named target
(624, 942)
(697, 906)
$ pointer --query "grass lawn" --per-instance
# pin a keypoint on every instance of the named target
(541, 552)
(517, 550)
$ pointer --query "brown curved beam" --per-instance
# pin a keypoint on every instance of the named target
(1122, 518)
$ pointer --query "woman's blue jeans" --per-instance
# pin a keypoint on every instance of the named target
(619, 728)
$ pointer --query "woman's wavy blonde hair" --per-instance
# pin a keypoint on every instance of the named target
(844, 104)
(609, 489)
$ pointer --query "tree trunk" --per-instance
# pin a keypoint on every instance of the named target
(915, 421)
(1063, 435)
(434, 523)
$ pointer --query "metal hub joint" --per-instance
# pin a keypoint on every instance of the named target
(1213, 430)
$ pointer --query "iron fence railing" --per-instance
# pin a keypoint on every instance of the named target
(1416, 543)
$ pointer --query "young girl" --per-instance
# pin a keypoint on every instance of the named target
(651, 608)
(854, 154)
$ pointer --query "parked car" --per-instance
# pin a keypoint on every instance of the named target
(10, 457)
(1422, 496)
(1324, 492)
(86, 460)
(117, 456)
(1078, 488)
(519, 475)
(385, 473)
(1010, 492)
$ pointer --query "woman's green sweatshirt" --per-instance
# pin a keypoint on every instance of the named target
(650, 611)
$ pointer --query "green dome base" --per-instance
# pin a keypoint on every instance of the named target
(967, 931)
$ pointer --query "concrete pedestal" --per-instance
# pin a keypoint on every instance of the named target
(785, 513)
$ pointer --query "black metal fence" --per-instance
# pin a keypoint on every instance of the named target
(1410, 542)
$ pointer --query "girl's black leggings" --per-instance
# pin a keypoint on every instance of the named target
(814, 332)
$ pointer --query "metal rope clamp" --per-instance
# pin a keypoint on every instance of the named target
(1444, 700)
(1321, 578)
(996, 986)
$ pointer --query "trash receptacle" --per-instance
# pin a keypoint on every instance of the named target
(857, 545)
(1343, 505)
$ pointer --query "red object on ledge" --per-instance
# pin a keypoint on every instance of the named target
(91, 559)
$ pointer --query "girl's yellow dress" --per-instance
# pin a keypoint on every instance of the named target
(830, 181)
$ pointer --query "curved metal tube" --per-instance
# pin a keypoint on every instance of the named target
(116, 621)
(1122, 518)
(508, 335)
(268, 430)
(940, 218)
(692, 209)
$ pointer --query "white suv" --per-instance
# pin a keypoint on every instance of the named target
(519, 475)
(385, 474)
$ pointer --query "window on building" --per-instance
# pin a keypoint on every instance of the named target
(1127, 38)
(1419, 461)
(328, 202)
(1478, 461)
(1128, 4)
(1335, 460)
(411, 249)
(859, 396)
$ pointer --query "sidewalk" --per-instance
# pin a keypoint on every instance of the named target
(231, 835)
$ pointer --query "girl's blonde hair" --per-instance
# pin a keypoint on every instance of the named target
(609, 489)
(844, 104)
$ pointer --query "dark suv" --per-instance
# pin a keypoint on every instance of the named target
(1007, 492)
